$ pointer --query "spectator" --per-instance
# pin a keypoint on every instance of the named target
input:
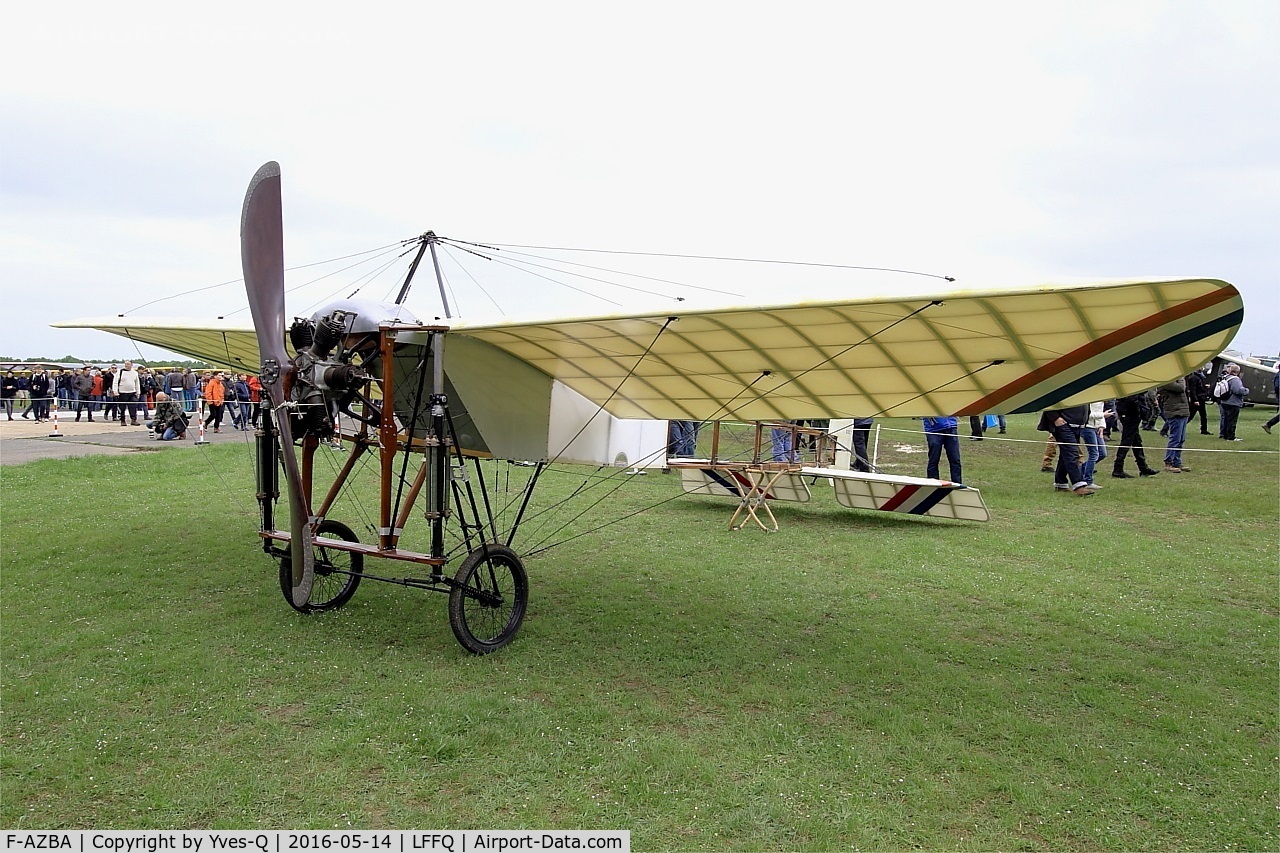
(150, 386)
(255, 397)
(66, 395)
(190, 389)
(41, 391)
(1050, 453)
(1094, 444)
(241, 386)
(1177, 411)
(96, 395)
(109, 394)
(83, 384)
(128, 384)
(23, 394)
(9, 390)
(214, 398)
(229, 400)
(1066, 425)
(1151, 412)
(1131, 411)
(784, 440)
(1198, 399)
(170, 422)
(173, 385)
(943, 433)
(682, 439)
(861, 433)
(1230, 403)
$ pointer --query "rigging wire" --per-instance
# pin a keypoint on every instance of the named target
(458, 264)
(365, 279)
(513, 265)
(240, 280)
(602, 406)
(615, 391)
(616, 272)
(520, 261)
(723, 258)
(539, 547)
(942, 385)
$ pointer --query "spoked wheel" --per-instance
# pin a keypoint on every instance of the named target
(337, 572)
(488, 600)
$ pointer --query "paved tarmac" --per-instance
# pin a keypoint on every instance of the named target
(25, 440)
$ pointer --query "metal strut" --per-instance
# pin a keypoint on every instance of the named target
(425, 242)
(413, 267)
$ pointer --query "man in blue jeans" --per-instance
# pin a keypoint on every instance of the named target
(942, 433)
(1066, 425)
(1177, 411)
(682, 437)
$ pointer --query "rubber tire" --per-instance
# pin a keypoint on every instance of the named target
(482, 628)
(331, 589)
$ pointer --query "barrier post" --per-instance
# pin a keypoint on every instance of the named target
(200, 419)
(54, 415)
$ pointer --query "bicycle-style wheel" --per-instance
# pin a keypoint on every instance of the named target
(488, 599)
(337, 572)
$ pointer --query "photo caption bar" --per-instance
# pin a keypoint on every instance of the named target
(292, 841)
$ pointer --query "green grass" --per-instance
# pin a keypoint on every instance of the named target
(1085, 674)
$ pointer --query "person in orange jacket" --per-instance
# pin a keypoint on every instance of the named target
(214, 396)
(255, 397)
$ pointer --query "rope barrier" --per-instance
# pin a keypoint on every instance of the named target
(1153, 446)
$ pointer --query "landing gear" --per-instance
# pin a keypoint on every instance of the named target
(488, 600)
(337, 573)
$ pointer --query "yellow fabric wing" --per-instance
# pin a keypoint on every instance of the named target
(958, 353)
(972, 352)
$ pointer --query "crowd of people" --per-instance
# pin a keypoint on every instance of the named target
(133, 396)
(138, 396)
(1078, 435)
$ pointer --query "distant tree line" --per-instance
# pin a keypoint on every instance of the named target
(145, 362)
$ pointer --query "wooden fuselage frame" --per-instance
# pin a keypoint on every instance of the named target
(384, 431)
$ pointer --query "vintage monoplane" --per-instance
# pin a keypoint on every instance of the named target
(432, 399)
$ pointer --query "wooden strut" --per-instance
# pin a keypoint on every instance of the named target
(359, 548)
(357, 450)
(754, 496)
(754, 480)
(419, 481)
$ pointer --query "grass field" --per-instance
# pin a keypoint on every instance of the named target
(1077, 674)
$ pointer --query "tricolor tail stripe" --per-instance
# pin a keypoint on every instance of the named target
(916, 500)
(1098, 361)
(720, 480)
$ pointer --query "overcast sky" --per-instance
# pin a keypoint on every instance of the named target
(999, 143)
